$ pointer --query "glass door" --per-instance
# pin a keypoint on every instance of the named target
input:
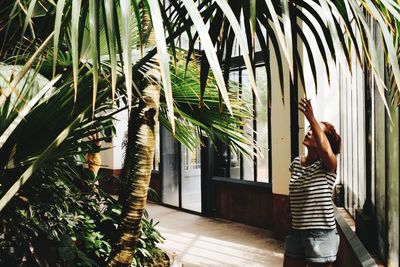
(181, 174)
(169, 169)
(191, 179)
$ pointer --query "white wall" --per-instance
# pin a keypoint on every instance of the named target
(280, 131)
(121, 132)
(113, 157)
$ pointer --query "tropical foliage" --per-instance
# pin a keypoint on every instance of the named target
(85, 49)
(335, 25)
(57, 193)
(55, 218)
(58, 220)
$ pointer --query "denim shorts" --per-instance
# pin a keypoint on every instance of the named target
(316, 245)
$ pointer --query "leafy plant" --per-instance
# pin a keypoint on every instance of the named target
(28, 26)
(147, 253)
(56, 218)
(53, 220)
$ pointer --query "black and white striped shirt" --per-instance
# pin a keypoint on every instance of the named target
(310, 193)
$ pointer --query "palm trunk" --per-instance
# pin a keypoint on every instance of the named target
(139, 159)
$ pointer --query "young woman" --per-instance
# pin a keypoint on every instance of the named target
(313, 239)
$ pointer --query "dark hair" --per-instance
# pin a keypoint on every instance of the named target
(333, 137)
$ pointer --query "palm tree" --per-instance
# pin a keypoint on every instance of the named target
(61, 100)
(341, 23)
(139, 157)
(141, 139)
(212, 126)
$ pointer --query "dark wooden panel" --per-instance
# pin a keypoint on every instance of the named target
(281, 215)
(244, 203)
(155, 184)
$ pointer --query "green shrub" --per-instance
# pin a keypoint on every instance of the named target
(56, 220)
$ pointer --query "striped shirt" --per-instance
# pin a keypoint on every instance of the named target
(310, 193)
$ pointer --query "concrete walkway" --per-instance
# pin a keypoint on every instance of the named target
(208, 242)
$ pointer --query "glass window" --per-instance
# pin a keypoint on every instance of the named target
(262, 119)
(191, 179)
(234, 165)
(247, 94)
(235, 158)
(170, 169)
(242, 167)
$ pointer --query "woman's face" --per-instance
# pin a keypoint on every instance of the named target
(309, 140)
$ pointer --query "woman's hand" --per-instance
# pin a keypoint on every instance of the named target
(306, 108)
(323, 146)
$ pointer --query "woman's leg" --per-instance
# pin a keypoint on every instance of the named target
(292, 262)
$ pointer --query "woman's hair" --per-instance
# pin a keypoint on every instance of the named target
(333, 137)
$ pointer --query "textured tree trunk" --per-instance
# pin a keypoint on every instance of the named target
(138, 166)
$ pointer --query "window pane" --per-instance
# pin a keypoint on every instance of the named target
(234, 157)
(262, 125)
(191, 179)
(248, 163)
(235, 165)
(170, 171)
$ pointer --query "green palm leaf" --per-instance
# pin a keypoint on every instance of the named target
(391, 50)
(21, 114)
(193, 122)
(287, 29)
(163, 56)
(37, 163)
(76, 9)
(28, 18)
(230, 16)
(279, 33)
(111, 42)
(208, 49)
(127, 46)
(93, 12)
(57, 32)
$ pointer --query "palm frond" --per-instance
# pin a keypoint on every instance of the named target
(193, 122)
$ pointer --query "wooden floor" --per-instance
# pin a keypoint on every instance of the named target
(207, 242)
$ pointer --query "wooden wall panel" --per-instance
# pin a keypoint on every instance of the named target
(155, 184)
(281, 215)
(243, 203)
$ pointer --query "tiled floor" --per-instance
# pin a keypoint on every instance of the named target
(208, 242)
